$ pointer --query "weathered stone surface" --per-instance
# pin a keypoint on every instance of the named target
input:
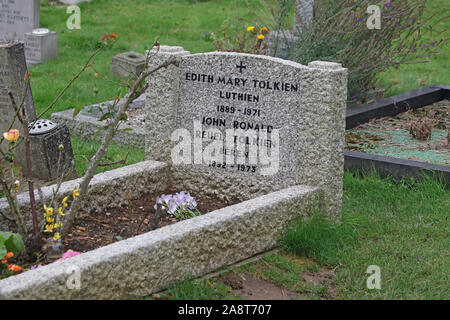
(18, 17)
(45, 153)
(306, 104)
(106, 189)
(13, 69)
(41, 45)
(162, 102)
(127, 64)
(304, 14)
(150, 262)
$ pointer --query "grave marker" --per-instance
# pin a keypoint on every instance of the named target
(292, 119)
(18, 17)
(41, 45)
(13, 69)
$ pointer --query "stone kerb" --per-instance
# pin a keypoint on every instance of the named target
(150, 262)
(308, 107)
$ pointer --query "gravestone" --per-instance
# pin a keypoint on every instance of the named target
(40, 45)
(18, 17)
(304, 14)
(44, 146)
(280, 42)
(238, 125)
(127, 64)
(13, 69)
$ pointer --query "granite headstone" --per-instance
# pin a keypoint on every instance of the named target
(241, 125)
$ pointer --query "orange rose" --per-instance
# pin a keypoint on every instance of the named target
(9, 255)
(4, 260)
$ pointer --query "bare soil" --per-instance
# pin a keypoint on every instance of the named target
(250, 287)
(115, 224)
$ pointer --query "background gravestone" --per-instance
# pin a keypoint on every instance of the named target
(304, 14)
(305, 103)
(40, 45)
(18, 17)
(280, 42)
(127, 64)
(13, 69)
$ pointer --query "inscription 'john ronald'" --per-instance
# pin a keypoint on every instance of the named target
(217, 122)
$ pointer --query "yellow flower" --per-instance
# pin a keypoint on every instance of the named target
(251, 28)
(264, 29)
(75, 193)
(12, 135)
(64, 201)
(56, 236)
(48, 211)
(48, 228)
(61, 212)
(49, 219)
(260, 37)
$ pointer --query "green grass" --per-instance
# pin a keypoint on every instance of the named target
(201, 289)
(84, 149)
(138, 23)
(174, 22)
(414, 76)
(401, 227)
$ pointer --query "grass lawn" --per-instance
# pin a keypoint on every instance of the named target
(400, 227)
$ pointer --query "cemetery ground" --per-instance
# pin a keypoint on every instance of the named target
(400, 226)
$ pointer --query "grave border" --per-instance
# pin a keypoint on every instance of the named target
(149, 263)
(384, 165)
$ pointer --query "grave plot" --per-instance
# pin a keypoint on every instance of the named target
(405, 135)
(258, 141)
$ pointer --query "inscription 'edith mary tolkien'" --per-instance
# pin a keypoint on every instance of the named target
(242, 82)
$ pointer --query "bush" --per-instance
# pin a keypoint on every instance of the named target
(340, 33)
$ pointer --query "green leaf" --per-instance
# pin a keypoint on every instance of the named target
(3, 250)
(12, 242)
(77, 110)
